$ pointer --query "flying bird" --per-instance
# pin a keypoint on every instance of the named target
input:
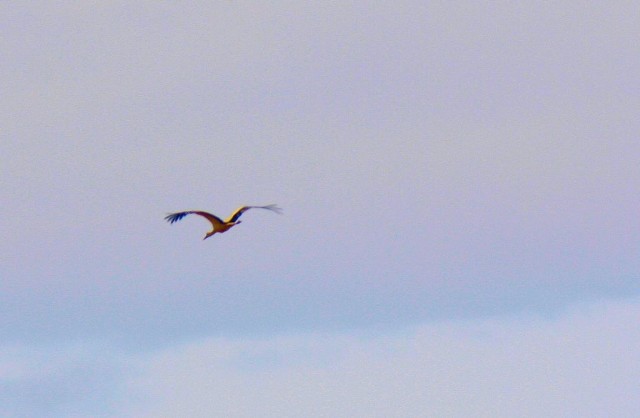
(218, 225)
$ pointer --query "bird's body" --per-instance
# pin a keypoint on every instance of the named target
(218, 225)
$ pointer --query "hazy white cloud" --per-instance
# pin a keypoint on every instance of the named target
(61, 380)
(584, 362)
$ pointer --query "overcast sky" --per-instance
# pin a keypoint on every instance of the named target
(459, 181)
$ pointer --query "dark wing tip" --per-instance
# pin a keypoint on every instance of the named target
(274, 208)
(175, 217)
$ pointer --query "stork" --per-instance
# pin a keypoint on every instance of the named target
(218, 225)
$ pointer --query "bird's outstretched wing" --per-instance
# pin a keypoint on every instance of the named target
(234, 217)
(175, 217)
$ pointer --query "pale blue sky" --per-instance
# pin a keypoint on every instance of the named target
(459, 181)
